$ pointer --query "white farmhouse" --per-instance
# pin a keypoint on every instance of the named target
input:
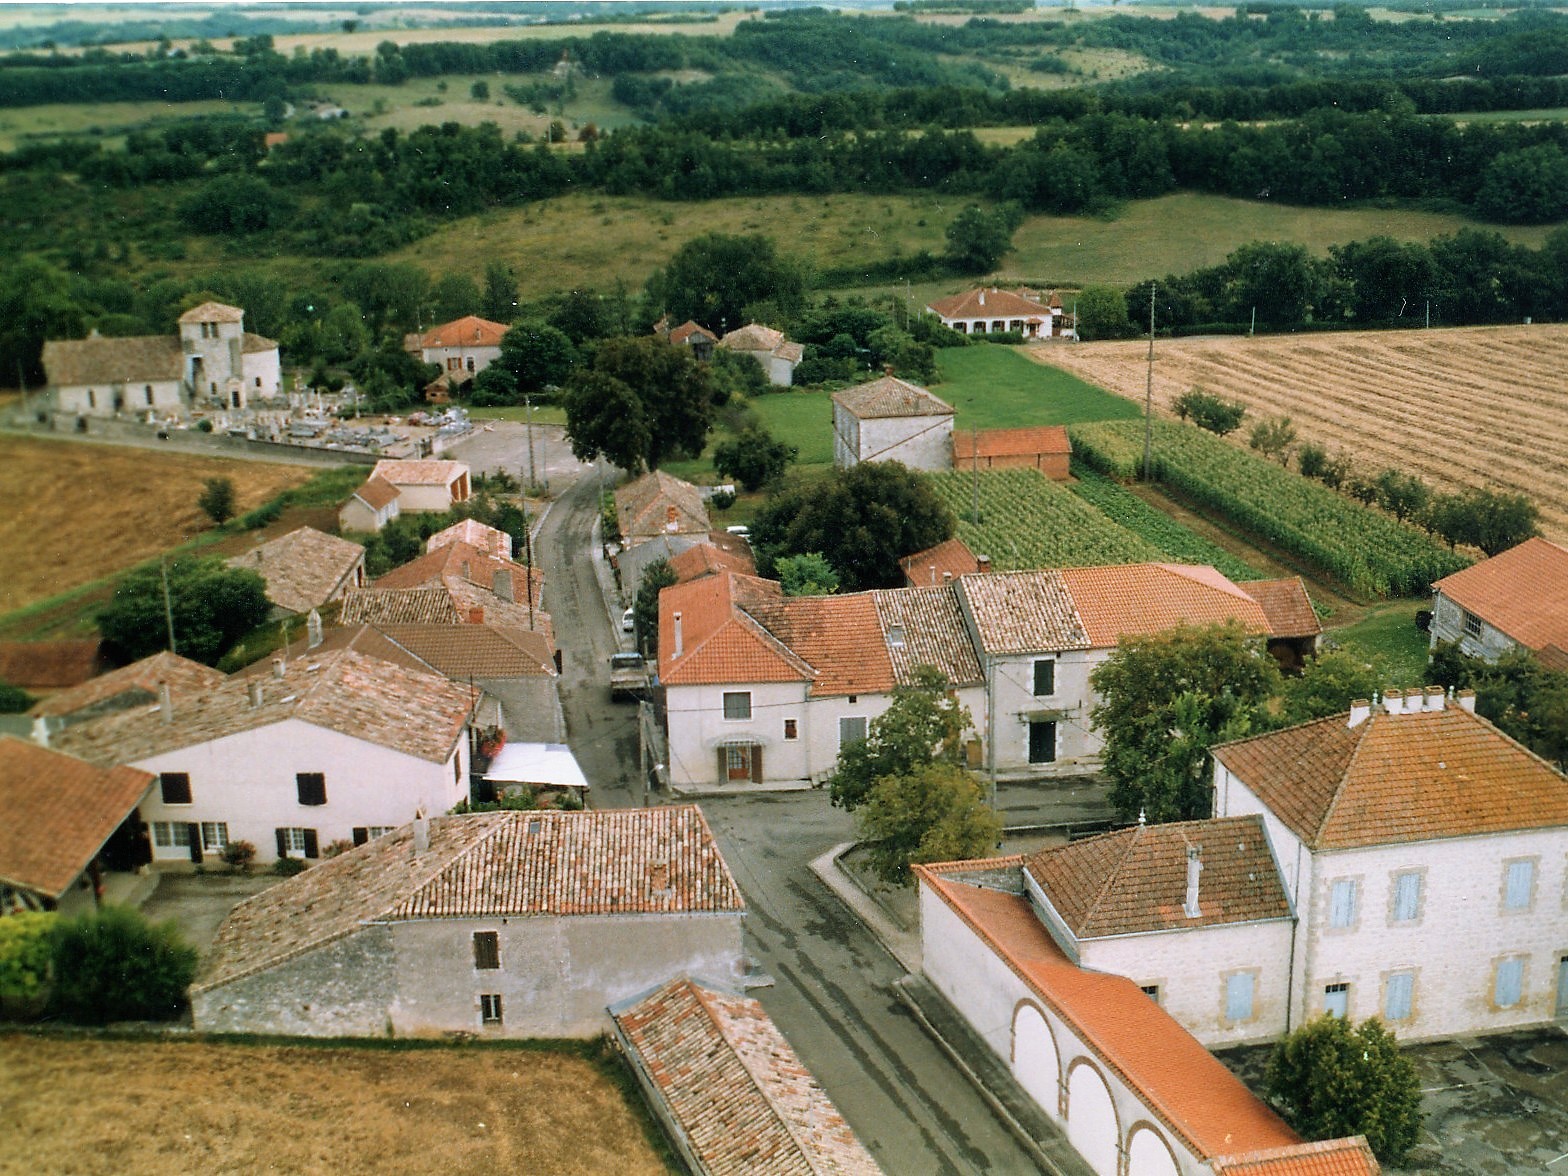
(432, 486)
(463, 347)
(777, 355)
(1022, 311)
(889, 419)
(1517, 600)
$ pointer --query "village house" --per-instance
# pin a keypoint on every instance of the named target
(212, 362)
(129, 687)
(453, 584)
(503, 925)
(889, 419)
(491, 540)
(942, 564)
(658, 505)
(462, 348)
(305, 569)
(322, 750)
(777, 355)
(688, 334)
(1484, 610)
(369, 508)
(982, 312)
(1043, 447)
(731, 1094)
(689, 557)
(433, 486)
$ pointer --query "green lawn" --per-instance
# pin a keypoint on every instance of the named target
(544, 414)
(991, 386)
(1389, 632)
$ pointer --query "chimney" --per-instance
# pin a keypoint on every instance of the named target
(982, 298)
(501, 584)
(659, 877)
(41, 730)
(1194, 868)
(253, 688)
(671, 523)
(313, 630)
(933, 575)
(1394, 701)
(421, 832)
(947, 577)
(468, 573)
(476, 615)
(1434, 698)
(1466, 700)
(166, 702)
(678, 646)
(982, 563)
(279, 668)
(1360, 711)
(887, 369)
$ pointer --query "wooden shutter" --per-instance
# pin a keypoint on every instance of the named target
(175, 787)
(756, 764)
(361, 834)
(312, 787)
(195, 831)
(283, 842)
(724, 765)
(312, 848)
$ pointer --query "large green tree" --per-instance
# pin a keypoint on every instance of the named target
(1492, 520)
(640, 401)
(1522, 697)
(977, 238)
(753, 457)
(714, 278)
(35, 304)
(923, 724)
(1165, 699)
(1327, 684)
(863, 519)
(656, 577)
(536, 355)
(1331, 1079)
(935, 813)
(213, 605)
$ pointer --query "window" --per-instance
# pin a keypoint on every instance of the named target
(171, 834)
(1509, 983)
(1238, 997)
(312, 787)
(454, 363)
(470, 363)
(489, 1008)
(1472, 624)
(1396, 996)
(147, 392)
(297, 843)
(487, 949)
(1336, 999)
(214, 835)
(364, 833)
(851, 730)
(92, 399)
(1152, 991)
(1519, 885)
(1342, 903)
(1045, 677)
(1407, 897)
(791, 729)
(737, 704)
(1042, 742)
(175, 786)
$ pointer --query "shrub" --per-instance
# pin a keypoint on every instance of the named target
(721, 500)
(217, 499)
(238, 856)
(287, 867)
(204, 426)
(254, 520)
(1210, 412)
(24, 960)
(337, 848)
(13, 699)
(113, 965)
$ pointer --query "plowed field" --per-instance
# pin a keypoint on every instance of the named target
(1471, 406)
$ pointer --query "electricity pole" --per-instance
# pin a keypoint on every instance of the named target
(528, 415)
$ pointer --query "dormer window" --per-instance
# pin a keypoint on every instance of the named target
(895, 636)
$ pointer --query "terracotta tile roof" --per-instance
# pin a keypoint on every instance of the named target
(253, 344)
(1023, 612)
(659, 861)
(1286, 605)
(1329, 1157)
(365, 639)
(303, 569)
(1523, 592)
(213, 312)
(720, 642)
(891, 397)
(992, 303)
(925, 568)
(691, 330)
(476, 651)
(930, 623)
(457, 560)
(468, 331)
(1138, 599)
(1398, 778)
(50, 665)
(490, 540)
(376, 493)
(737, 1092)
(790, 352)
(839, 636)
(419, 473)
(1135, 880)
(705, 559)
(135, 359)
(58, 813)
(1011, 442)
(432, 605)
(752, 337)
(416, 713)
(642, 507)
(1185, 1087)
(133, 685)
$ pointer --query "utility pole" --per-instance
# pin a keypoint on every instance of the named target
(528, 567)
(168, 609)
(528, 415)
(1253, 329)
(1148, 396)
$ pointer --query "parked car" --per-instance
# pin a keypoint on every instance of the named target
(629, 620)
(628, 676)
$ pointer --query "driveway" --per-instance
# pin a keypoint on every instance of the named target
(197, 903)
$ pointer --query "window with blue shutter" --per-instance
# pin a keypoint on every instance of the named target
(1396, 996)
(1238, 997)
(1407, 897)
(1521, 882)
(1342, 903)
(1507, 987)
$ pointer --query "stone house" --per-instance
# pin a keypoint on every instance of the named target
(689, 557)
(305, 569)
(462, 348)
(136, 685)
(433, 486)
(689, 334)
(981, 311)
(1515, 600)
(369, 508)
(889, 419)
(322, 750)
(659, 505)
(505, 925)
(777, 355)
(1044, 447)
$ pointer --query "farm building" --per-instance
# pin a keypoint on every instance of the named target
(304, 569)
(889, 419)
(942, 564)
(51, 665)
(212, 362)
(491, 540)
(1515, 600)
(135, 685)
(777, 355)
(434, 486)
(1044, 447)
(982, 312)
(688, 334)
(369, 508)
(462, 348)
(505, 924)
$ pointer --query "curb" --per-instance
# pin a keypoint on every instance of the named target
(901, 945)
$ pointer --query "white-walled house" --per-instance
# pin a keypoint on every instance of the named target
(763, 689)
(338, 748)
(434, 486)
(981, 311)
(1517, 600)
(369, 508)
(889, 419)
(463, 347)
(777, 355)
(500, 925)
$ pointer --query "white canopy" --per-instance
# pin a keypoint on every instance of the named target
(536, 763)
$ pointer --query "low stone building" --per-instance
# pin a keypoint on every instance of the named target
(889, 419)
(1046, 448)
(659, 505)
(304, 569)
(777, 355)
(506, 924)
(1517, 600)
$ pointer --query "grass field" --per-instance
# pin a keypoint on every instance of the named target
(994, 387)
(1388, 633)
(156, 1108)
(19, 124)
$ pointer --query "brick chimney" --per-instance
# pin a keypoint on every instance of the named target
(1466, 700)
(678, 646)
(983, 563)
(671, 522)
(476, 615)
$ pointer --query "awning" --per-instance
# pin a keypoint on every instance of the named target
(547, 764)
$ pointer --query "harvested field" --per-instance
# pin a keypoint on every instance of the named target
(77, 512)
(1469, 406)
(153, 1108)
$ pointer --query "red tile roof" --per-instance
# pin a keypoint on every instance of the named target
(468, 331)
(1330, 1157)
(719, 642)
(133, 685)
(840, 636)
(643, 506)
(990, 304)
(1186, 1088)
(376, 493)
(463, 561)
(1398, 778)
(706, 559)
(1011, 442)
(1135, 880)
(1523, 592)
(736, 1091)
(50, 665)
(692, 330)
(213, 312)
(1139, 599)
(490, 540)
(1286, 605)
(1023, 612)
(891, 397)
(932, 567)
(419, 473)
(59, 811)
(660, 861)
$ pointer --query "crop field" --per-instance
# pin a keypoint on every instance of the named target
(1175, 542)
(80, 511)
(1474, 406)
(1367, 551)
(995, 387)
(157, 1108)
